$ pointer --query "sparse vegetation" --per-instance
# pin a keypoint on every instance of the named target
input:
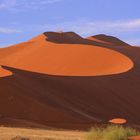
(112, 132)
(20, 138)
(11, 133)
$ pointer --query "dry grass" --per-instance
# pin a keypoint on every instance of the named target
(39, 134)
(111, 132)
(96, 133)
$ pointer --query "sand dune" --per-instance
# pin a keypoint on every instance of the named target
(95, 82)
(65, 59)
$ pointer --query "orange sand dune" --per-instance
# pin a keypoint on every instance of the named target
(78, 100)
(39, 55)
(4, 72)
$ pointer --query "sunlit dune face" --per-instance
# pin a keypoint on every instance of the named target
(81, 60)
(4, 72)
(118, 121)
(68, 59)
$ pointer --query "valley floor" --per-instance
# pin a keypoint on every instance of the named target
(39, 134)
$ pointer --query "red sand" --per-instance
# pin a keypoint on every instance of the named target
(4, 73)
(41, 56)
(72, 102)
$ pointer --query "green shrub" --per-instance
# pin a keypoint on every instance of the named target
(112, 132)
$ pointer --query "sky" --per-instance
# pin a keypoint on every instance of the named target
(21, 20)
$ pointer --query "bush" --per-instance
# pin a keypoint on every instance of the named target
(112, 132)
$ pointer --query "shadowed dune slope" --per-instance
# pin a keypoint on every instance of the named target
(74, 102)
(39, 55)
(109, 40)
(63, 37)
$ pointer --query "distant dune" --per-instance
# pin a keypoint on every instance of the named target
(62, 80)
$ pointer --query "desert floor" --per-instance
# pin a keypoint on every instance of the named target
(40, 134)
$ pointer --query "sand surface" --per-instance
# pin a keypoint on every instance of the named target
(39, 55)
(90, 82)
(4, 72)
(118, 121)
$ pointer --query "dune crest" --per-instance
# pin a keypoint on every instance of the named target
(110, 40)
(63, 37)
(4, 72)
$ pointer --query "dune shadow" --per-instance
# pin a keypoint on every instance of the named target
(80, 101)
(73, 38)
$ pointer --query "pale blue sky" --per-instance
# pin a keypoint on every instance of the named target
(21, 20)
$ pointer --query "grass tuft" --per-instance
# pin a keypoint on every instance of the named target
(111, 132)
